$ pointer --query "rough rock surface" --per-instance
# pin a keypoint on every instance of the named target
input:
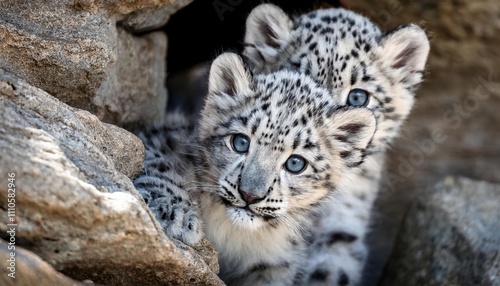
(31, 270)
(76, 51)
(450, 236)
(75, 207)
(152, 18)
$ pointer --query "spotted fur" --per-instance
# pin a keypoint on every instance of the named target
(256, 213)
(343, 51)
(162, 182)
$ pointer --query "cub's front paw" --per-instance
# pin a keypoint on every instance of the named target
(334, 259)
(178, 219)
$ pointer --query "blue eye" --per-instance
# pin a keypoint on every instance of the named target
(357, 97)
(240, 143)
(295, 164)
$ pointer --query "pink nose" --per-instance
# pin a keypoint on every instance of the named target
(249, 199)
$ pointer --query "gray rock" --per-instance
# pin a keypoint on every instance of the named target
(450, 236)
(152, 18)
(75, 207)
(134, 89)
(29, 269)
(75, 50)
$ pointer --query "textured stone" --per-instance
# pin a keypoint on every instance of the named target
(134, 90)
(30, 270)
(152, 18)
(450, 236)
(75, 207)
(33, 121)
(76, 51)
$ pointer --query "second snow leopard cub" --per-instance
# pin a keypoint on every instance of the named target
(361, 66)
(268, 153)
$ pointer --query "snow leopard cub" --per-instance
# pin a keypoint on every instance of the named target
(268, 153)
(360, 66)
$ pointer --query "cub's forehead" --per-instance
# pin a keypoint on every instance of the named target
(337, 24)
(292, 92)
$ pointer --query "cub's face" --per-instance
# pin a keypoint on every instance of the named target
(275, 145)
(348, 55)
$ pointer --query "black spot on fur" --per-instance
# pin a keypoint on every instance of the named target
(345, 154)
(243, 120)
(326, 19)
(367, 48)
(162, 167)
(327, 30)
(380, 90)
(367, 78)
(164, 216)
(344, 65)
(265, 106)
(341, 138)
(354, 77)
(308, 40)
(343, 279)
(320, 275)
(341, 236)
(170, 144)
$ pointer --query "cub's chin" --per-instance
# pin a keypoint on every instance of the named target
(244, 217)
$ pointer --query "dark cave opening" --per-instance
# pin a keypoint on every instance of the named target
(219, 27)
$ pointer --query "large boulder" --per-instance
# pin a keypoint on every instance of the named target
(75, 205)
(83, 53)
(450, 236)
(28, 269)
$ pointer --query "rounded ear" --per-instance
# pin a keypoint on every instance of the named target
(228, 76)
(405, 50)
(267, 35)
(228, 83)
